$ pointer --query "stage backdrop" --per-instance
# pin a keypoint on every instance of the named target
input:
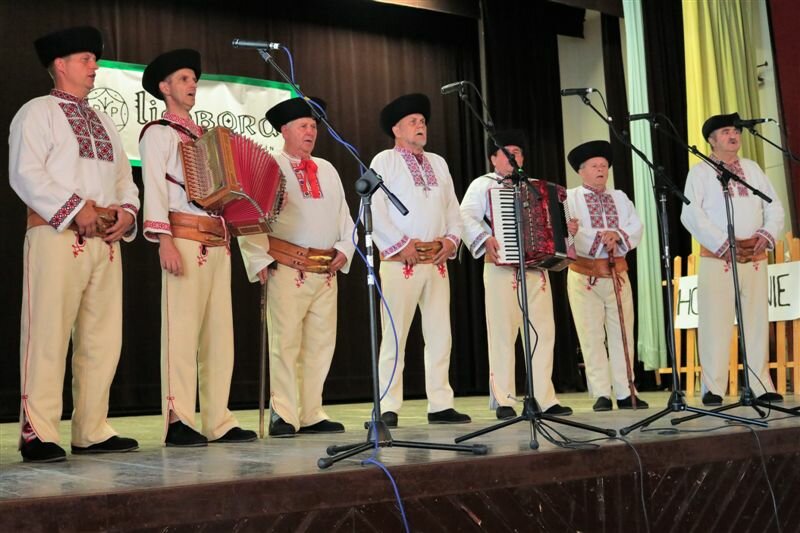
(355, 54)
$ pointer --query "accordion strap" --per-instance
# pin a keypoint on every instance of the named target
(174, 126)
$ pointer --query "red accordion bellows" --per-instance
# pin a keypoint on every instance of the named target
(234, 175)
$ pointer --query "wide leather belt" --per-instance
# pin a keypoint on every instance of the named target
(744, 251)
(105, 219)
(298, 257)
(426, 250)
(209, 231)
(598, 268)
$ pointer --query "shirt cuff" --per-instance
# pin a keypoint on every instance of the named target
(63, 217)
(393, 249)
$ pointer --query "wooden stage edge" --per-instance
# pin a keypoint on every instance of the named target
(696, 481)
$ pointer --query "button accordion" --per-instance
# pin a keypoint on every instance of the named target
(233, 175)
(547, 243)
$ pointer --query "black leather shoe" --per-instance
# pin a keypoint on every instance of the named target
(390, 419)
(323, 426)
(113, 445)
(181, 435)
(626, 403)
(709, 398)
(504, 412)
(37, 451)
(237, 434)
(771, 397)
(448, 416)
(278, 428)
(603, 403)
(558, 410)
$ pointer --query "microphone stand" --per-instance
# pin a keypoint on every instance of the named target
(378, 433)
(747, 398)
(663, 185)
(786, 152)
(531, 411)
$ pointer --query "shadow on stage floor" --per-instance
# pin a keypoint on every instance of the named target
(709, 474)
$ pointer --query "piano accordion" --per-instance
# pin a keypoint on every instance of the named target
(547, 243)
(234, 176)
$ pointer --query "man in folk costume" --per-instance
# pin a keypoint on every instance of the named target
(414, 254)
(604, 223)
(196, 318)
(67, 163)
(310, 242)
(756, 224)
(503, 314)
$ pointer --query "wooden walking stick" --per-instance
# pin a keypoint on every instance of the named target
(618, 296)
(262, 370)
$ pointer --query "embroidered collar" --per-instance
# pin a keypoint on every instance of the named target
(58, 93)
(187, 123)
(406, 151)
(594, 189)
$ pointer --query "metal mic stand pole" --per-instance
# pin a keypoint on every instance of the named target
(531, 411)
(378, 436)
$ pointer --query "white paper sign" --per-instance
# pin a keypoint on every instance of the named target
(783, 295)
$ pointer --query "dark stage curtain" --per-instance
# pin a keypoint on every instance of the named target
(357, 55)
(524, 92)
(666, 81)
(785, 41)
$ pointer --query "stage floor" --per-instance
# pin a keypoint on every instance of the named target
(155, 466)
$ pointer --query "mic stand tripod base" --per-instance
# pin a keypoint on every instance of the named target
(532, 413)
(677, 404)
(380, 437)
(748, 399)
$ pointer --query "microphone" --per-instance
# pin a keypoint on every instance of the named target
(453, 87)
(261, 45)
(582, 91)
(642, 116)
(751, 122)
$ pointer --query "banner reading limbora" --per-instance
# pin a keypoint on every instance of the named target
(235, 102)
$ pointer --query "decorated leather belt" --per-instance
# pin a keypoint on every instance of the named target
(105, 219)
(313, 260)
(209, 231)
(426, 250)
(744, 251)
(598, 268)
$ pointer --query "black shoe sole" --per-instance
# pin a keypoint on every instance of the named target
(301, 432)
(188, 445)
(283, 436)
(232, 441)
(448, 422)
(48, 460)
(92, 452)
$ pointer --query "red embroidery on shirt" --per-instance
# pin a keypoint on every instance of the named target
(90, 133)
(187, 123)
(421, 172)
(64, 211)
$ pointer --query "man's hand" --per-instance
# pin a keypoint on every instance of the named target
(762, 243)
(263, 275)
(610, 240)
(124, 222)
(492, 248)
(409, 254)
(169, 255)
(337, 263)
(86, 219)
(448, 248)
(572, 226)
